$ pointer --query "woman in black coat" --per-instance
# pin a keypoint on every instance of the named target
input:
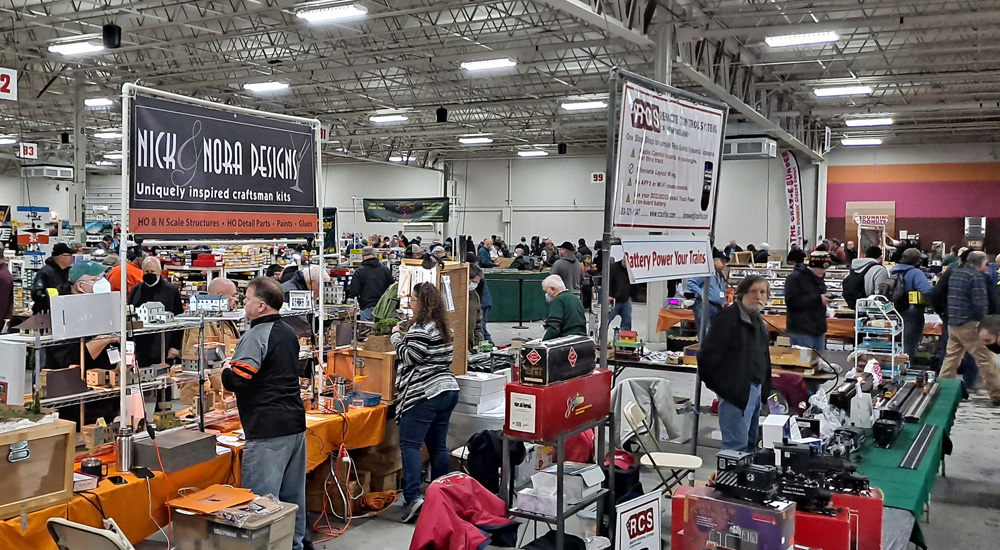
(735, 363)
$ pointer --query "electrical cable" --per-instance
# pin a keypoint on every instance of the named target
(149, 493)
(99, 505)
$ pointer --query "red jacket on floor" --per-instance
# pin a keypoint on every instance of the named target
(459, 514)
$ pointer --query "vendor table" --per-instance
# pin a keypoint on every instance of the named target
(836, 327)
(509, 289)
(129, 504)
(905, 489)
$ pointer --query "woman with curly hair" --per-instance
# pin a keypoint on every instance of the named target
(428, 392)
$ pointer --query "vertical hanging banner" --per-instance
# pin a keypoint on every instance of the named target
(330, 239)
(202, 172)
(793, 195)
(669, 150)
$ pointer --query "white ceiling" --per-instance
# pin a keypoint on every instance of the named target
(934, 66)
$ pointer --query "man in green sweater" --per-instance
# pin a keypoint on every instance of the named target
(566, 316)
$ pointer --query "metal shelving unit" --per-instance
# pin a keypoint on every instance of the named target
(560, 445)
(879, 309)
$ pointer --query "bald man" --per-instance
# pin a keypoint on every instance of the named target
(155, 288)
(223, 332)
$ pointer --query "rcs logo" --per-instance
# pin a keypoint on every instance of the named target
(645, 116)
(640, 523)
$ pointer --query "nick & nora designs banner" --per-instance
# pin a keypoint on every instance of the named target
(406, 210)
(793, 195)
(210, 172)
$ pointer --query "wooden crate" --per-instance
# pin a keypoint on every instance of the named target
(458, 320)
(45, 478)
(378, 369)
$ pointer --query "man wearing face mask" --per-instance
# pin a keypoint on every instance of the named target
(223, 332)
(566, 314)
(155, 289)
(475, 322)
(735, 363)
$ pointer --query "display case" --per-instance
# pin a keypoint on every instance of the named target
(878, 332)
(776, 279)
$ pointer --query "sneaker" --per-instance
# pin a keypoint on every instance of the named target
(411, 510)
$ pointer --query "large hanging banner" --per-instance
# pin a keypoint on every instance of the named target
(200, 171)
(406, 210)
(330, 239)
(669, 150)
(793, 195)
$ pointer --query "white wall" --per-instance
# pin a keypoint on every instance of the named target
(17, 191)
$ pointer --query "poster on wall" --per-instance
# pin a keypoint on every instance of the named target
(669, 150)
(793, 196)
(200, 171)
(406, 210)
(329, 230)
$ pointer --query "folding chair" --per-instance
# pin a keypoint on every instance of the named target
(678, 465)
(69, 535)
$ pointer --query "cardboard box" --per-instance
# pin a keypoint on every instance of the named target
(480, 383)
(778, 427)
(479, 404)
(203, 532)
(865, 517)
(539, 413)
(386, 482)
(42, 479)
(379, 462)
(690, 354)
(579, 481)
(544, 362)
(711, 519)
(793, 357)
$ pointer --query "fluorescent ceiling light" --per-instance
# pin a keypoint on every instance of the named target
(114, 156)
(585, 105)
(76, 48)
(7, 141)
(868, 122)
(533, 153)
(843, 90)
(95, 102)
(861, 141)
(476, 140)
(382, 119)
(489, 64)
(333, 13)
(263, 87)
(401, 159)
(801, 39)
(110, 134)
(104, 163)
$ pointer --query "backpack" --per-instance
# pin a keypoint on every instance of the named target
(894, 290)
(854, 285)
(939, 298)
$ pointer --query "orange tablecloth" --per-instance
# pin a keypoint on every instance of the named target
(836, 328)
(129, 504)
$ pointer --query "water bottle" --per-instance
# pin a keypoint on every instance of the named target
(124, 449)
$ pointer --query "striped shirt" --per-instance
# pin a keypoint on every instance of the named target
(423, 368)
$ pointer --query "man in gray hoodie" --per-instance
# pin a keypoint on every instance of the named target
(876, 274)
(569, 268)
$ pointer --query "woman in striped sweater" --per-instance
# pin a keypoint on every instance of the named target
(428, 392)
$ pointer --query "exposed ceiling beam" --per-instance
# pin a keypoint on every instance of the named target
(612, 26)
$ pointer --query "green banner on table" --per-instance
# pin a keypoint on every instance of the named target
(406, 210)
(329, 230)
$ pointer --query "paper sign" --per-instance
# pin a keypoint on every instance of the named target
(638, 523)
(658, 258)
(522, 412)
(8, 84)
(27, 150)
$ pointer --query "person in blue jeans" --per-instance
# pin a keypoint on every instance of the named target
(915, 281)
(735, 362)
(621, 293)
(428, 392)
(716, 293)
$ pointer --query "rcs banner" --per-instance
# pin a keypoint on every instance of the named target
(406, 210)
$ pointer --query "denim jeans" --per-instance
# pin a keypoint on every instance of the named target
(913, 330)
(713, 310)
(739, 427)
(277, 466)
(625, 310)
(367, 314)
(426, 422)
(486, 333)
(817, 343)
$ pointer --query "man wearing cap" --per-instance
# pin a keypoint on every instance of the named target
(53, 275)
(568, 267)
(369, 282)
(82, 278)
(806, 300)
(716, 297)
(914, 280)
(133, 270)
(762, 254)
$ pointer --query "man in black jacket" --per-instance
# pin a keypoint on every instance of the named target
(262, 374)
(369, 282)
(621, 292)
(54, 274)
(735, 363)
(154, 288)
(806, 300)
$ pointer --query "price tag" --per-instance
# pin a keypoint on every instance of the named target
(8, 84)
(114, 356)
(27, 150)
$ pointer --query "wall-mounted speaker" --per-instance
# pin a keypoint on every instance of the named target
(112, 36)
(561, 148)
(442, 115)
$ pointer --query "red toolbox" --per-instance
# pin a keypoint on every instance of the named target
(540, 413)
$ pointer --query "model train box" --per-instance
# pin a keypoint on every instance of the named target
(714, 521)
(549, 361)
(37, 467)
(540, 413)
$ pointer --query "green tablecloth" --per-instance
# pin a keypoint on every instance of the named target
(506, 296)
(911, 489)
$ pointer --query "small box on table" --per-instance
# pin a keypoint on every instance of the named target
(714, 521)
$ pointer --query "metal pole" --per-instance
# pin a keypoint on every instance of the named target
(128, 91)
(520, 304)
(609, 205)
(201, 372)
(697, 378)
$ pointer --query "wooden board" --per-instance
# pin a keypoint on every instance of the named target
(378, 369)
(458, 276)
(45, 478)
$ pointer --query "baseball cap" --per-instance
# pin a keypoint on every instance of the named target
(416, 250)
(61, 249)
(81, 269)
(820, 260)
(568, 246)
(912, 256)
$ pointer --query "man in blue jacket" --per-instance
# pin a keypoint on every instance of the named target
(716, 293)
(915, 281)
(485, 257)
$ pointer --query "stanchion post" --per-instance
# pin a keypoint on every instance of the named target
(520, 304)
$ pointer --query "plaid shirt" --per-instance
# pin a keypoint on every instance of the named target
(967, 300)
